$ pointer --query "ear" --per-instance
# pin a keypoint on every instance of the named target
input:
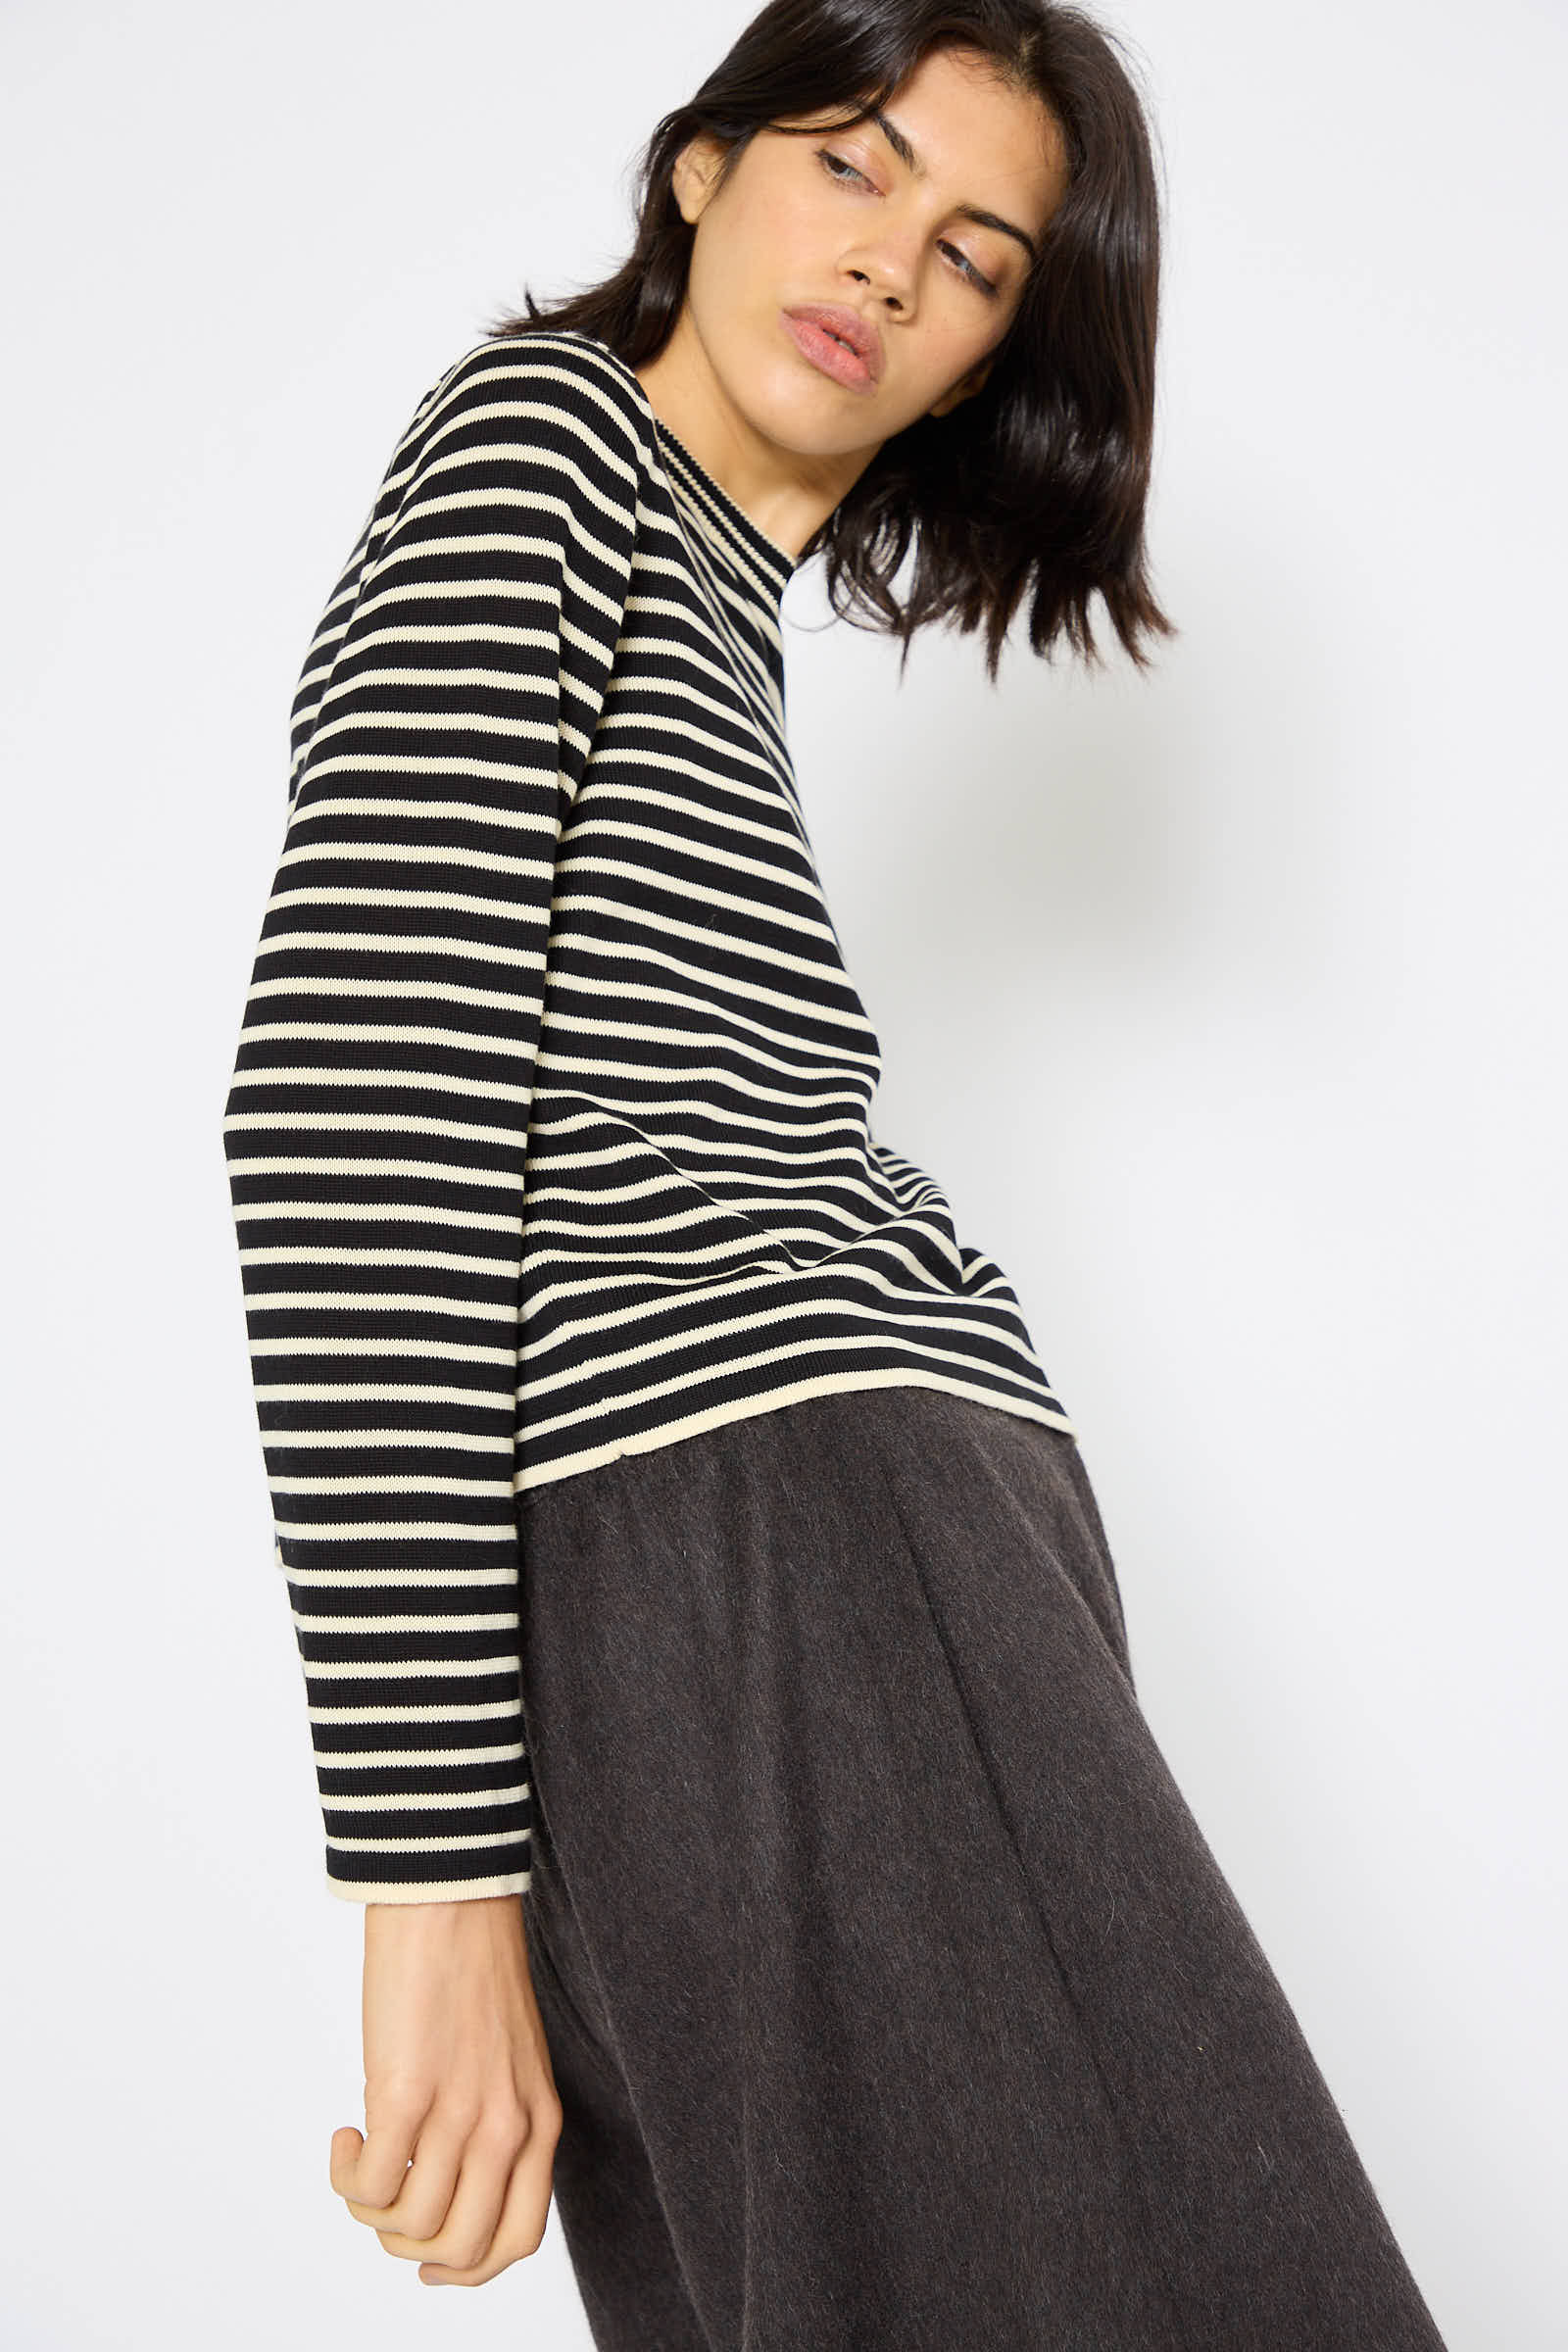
(964, 389)
(692, 174)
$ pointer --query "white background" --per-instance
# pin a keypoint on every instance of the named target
(1227, 1001)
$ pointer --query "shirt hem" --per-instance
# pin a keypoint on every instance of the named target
(745, 1408)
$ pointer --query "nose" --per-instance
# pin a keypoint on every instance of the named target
(887, 280)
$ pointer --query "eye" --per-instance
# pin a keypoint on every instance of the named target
(836, 165)
(839, 168)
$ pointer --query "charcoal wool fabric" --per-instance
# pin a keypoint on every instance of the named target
(550, 1133)
(895, 2000)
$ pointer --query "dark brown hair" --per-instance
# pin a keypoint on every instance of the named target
(1038, 482)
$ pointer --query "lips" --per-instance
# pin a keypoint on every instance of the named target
(836, 318)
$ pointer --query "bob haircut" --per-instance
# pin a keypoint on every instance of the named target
(1036, 483)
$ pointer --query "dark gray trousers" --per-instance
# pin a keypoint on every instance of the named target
(894, 1997)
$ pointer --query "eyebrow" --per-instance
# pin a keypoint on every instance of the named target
(970, 212)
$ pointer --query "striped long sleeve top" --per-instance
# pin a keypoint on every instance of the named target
(550, 1133)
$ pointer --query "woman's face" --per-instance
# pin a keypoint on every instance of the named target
(844, 218)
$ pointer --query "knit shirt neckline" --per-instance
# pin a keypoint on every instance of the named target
(719, 517)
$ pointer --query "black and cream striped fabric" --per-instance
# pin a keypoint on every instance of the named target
(550, 1133)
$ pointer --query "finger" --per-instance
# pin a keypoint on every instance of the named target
(419, 2207)
(370, 2170)
(462, 2242)
(520, 2227)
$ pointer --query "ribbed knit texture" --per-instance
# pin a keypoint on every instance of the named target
(549, 1135)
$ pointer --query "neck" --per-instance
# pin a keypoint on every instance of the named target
(786, 495)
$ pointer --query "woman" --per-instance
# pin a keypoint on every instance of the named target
(870, 1982)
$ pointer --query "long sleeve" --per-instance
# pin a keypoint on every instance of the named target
(376, 1126)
